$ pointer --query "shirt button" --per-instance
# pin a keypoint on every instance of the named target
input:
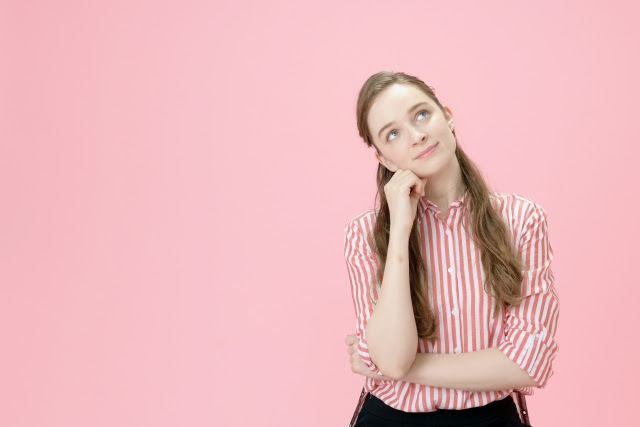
(457, 350)
(449, 269)
(454, 311)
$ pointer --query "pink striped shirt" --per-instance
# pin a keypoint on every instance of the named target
(462, 308)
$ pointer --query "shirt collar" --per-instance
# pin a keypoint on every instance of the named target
(428, 204)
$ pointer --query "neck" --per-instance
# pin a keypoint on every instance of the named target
(447, 186)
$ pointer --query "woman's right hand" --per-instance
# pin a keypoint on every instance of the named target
(403, 191)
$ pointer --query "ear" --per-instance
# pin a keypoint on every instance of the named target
(449, 116)
(386, 163)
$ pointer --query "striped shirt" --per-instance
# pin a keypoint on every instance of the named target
(463, 309)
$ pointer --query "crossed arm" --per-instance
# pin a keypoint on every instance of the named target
(483, 370)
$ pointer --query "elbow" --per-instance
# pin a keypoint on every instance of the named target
(397, 374)
(391, 373)
(532, 383)
(396, 370)
(394, 362)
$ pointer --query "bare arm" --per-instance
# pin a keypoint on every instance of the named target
(483, 370)
(391, 333)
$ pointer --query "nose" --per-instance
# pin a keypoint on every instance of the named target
(418, 136)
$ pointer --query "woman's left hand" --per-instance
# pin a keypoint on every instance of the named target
(357, 365)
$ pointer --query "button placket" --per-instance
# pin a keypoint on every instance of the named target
(454, 286)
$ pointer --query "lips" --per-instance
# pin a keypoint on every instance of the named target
(427, 151)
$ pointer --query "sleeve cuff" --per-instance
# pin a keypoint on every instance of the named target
(363, 351)
(533, 352)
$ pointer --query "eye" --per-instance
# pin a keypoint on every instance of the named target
(389, 134)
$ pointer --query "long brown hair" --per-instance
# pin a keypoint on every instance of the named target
(502, 267)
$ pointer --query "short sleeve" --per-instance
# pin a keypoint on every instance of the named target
(530, 327)
(361, 267)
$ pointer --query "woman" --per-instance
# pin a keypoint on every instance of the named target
(455, 303)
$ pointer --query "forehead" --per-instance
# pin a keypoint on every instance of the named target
(392, 104)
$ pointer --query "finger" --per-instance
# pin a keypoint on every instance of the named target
(399, 175)
(349, 347)
(417, 184)
(359, 367)
(411, 181)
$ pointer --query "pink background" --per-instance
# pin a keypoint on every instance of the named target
(176, 178)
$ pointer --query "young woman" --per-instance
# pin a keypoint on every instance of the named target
(455, 303)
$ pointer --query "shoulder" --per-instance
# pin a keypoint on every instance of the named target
(357, 230)
(363, 221)
(518, 210)
(515, 202)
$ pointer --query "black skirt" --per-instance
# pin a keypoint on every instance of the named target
(499, 413)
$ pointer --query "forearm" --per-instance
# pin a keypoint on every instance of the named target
(391, 332)
(483, 370)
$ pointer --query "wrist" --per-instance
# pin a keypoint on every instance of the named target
(398, 242)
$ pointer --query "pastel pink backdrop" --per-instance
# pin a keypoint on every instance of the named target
(176, 177)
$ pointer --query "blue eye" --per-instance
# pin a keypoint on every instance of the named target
(389, 134)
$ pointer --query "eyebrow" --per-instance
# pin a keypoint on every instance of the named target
(410, 110)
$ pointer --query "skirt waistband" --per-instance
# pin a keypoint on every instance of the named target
(504, 409)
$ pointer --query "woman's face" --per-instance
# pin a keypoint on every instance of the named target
(403, 122)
